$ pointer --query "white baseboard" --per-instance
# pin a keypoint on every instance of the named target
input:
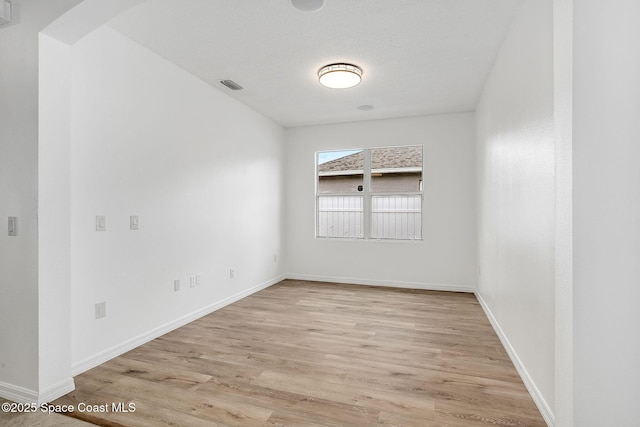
(386, 283)
(56, 391)
(535, 393)
(98, 359)
(17, 394)
(24, 395)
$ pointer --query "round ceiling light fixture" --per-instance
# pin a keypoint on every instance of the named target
(339, 76)
(307, 5)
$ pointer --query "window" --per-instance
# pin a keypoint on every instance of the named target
(373, 193)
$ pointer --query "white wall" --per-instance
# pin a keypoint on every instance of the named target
(445, 259)
(202, 171)
(19, 335)
(606, 213)
(516, 198)
(54, 125)
(562, 110)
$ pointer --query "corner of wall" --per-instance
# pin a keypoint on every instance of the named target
(54, 228)
(528, 381)
(516, 189)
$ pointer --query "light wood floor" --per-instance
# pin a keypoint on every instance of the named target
(36, 418)
(318, 354)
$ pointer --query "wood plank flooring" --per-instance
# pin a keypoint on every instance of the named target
(36, 419)
(319, 354)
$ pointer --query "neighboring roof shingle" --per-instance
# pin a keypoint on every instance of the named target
(409, 157)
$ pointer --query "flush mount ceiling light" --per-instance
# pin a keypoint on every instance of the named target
(339, 76)
(307, 5)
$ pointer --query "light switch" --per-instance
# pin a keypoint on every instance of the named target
(13, 226)
(101, 310)
(134, 222)
(5, 12)
(101, 223)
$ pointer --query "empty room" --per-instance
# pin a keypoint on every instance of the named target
(319, 212)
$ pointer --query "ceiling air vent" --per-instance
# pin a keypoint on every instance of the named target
(231, 84)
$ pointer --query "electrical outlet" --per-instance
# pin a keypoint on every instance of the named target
(232, 273)
(192, 281)
(101, 310)
(176, 285)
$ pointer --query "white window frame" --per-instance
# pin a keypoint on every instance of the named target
(367, 197)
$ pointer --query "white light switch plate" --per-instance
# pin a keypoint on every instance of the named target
(13, 226)
(134, 222)
(5, 12)
(101, 223)
(101, 310)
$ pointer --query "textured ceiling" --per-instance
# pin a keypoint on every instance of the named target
(418, 56)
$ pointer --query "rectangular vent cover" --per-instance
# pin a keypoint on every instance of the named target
(231, 84)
